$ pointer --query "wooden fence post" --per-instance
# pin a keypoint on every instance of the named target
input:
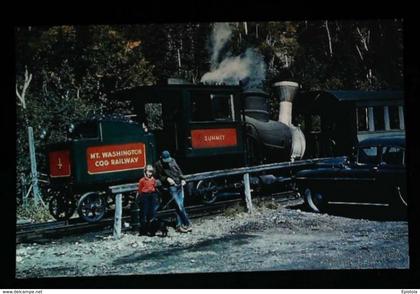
(23, 188)
(247, 188)
(34, 172)
(118, 214)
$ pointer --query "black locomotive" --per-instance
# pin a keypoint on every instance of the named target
(205, 127)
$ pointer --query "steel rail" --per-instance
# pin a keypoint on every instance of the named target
(59, 229)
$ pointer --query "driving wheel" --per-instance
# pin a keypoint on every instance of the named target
(92, 207)
(207, 191)
(62, 205)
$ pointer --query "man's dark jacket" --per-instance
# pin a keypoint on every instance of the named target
(165, 170)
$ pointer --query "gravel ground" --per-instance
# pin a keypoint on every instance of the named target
(275, 237)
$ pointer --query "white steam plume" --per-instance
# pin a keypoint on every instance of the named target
(220, 36)
(249, 66)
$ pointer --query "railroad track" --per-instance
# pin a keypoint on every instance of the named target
(27, 233)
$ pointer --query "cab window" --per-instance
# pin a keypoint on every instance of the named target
(154, 117)
(222, 106)
(213, 107)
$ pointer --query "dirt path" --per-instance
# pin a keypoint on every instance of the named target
(273, 238)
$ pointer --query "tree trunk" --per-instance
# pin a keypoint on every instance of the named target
(329, 38)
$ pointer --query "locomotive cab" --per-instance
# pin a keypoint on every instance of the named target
(196, 123)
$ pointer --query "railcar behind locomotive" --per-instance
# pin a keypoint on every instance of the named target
(334, 122)
(204, 127)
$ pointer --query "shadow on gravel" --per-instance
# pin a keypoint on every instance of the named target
(212, 244)
(374, 213)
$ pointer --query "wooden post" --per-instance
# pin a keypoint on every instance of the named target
(117, 218)
(34, 172)
(247, 188)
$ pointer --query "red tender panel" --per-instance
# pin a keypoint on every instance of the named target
(213, 138)
(59, 163)
(115, 158)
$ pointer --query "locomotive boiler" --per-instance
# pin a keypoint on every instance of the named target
(205, 127)
(269, 140)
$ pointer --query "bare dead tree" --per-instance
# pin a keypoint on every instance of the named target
(360, 53)
(26, 82)
(329, 38)
(364, 38)
(34, 174)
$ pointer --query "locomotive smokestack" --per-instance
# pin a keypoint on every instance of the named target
(286, 92)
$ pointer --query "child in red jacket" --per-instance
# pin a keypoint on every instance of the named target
(148, 200)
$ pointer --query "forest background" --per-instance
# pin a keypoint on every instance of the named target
(70, 71)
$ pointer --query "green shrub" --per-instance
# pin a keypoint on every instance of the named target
(33, 212)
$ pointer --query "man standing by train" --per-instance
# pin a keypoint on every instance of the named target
(168, 171)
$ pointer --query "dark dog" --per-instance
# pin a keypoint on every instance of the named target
(158, 226)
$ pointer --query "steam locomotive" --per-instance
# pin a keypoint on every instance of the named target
(205, 127)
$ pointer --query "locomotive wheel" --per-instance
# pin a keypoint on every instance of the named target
(314, 200)
(61, 206)
(207, 191)
(91, 207)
